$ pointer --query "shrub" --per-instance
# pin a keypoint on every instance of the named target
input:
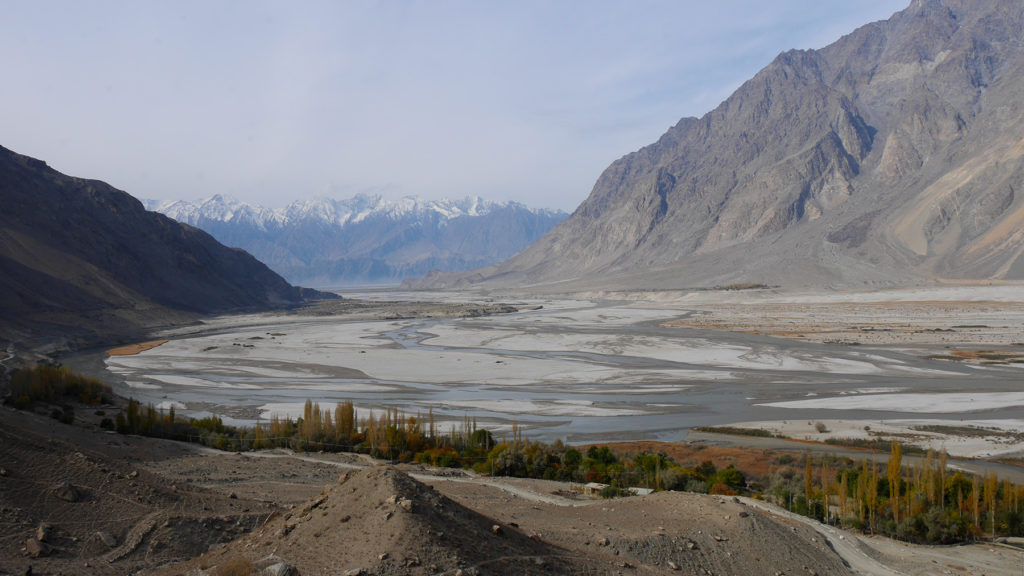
(236, 566)
(723, 489)
(612, 491)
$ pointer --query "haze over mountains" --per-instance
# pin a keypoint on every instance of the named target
(893, 155)
(79, 258)
(367, 239)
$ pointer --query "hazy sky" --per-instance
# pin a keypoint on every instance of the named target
(275, 101)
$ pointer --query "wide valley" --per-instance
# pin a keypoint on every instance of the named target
(940, 366)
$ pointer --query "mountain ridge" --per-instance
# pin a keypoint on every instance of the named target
(889, 156)
(366, 238)
(83, 260)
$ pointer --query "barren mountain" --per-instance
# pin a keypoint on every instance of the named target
(80, 258)
(367, 239)
(892, 155)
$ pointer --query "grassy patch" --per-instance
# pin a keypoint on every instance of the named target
(873, 444)
(743, 286)
(969, 431)
(735, 431)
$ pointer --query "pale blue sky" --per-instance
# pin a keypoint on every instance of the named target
(275, 101)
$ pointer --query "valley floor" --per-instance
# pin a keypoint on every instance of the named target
(937, 367)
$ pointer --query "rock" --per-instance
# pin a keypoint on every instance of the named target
(280, 569)
(37, 549)
(603, 542)
(44, 532)
(108, 539)
(496, 530)
(266, 561)
(744, 514)
(67, 492)
(672, 565)
(405, 504)
(383, 556)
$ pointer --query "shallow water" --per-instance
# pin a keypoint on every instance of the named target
(578, 371)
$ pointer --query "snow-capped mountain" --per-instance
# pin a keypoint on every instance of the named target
(366, 238)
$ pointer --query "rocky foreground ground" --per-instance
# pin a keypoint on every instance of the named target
(77, 502)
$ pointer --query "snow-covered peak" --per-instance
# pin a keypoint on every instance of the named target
(217, 208)
(336, 212)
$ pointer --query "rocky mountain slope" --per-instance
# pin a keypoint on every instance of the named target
(367, 239)
(79, 258)
(892, 155)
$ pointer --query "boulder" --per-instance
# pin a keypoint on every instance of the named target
(67, 492)
(37, 549)
(44, 533)
(280, 569)
(107, 538)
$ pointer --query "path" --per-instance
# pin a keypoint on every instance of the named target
(519, 491)
(846, 544)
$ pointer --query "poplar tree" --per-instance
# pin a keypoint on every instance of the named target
(895, 458)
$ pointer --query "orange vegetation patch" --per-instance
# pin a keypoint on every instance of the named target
(756, 462)
(134, 349)
(989, 355)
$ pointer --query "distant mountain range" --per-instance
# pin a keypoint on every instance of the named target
(894, 155)
(367, 239)
(83, 262)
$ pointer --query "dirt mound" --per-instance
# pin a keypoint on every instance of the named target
(665, 533)
(66, 508)
(723, 536)
(381, 521)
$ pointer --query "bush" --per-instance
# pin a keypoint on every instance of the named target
(722, 489)
(612, 491)
(65, 414)
(236, 566)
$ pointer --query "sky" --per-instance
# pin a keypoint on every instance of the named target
(273, 101)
